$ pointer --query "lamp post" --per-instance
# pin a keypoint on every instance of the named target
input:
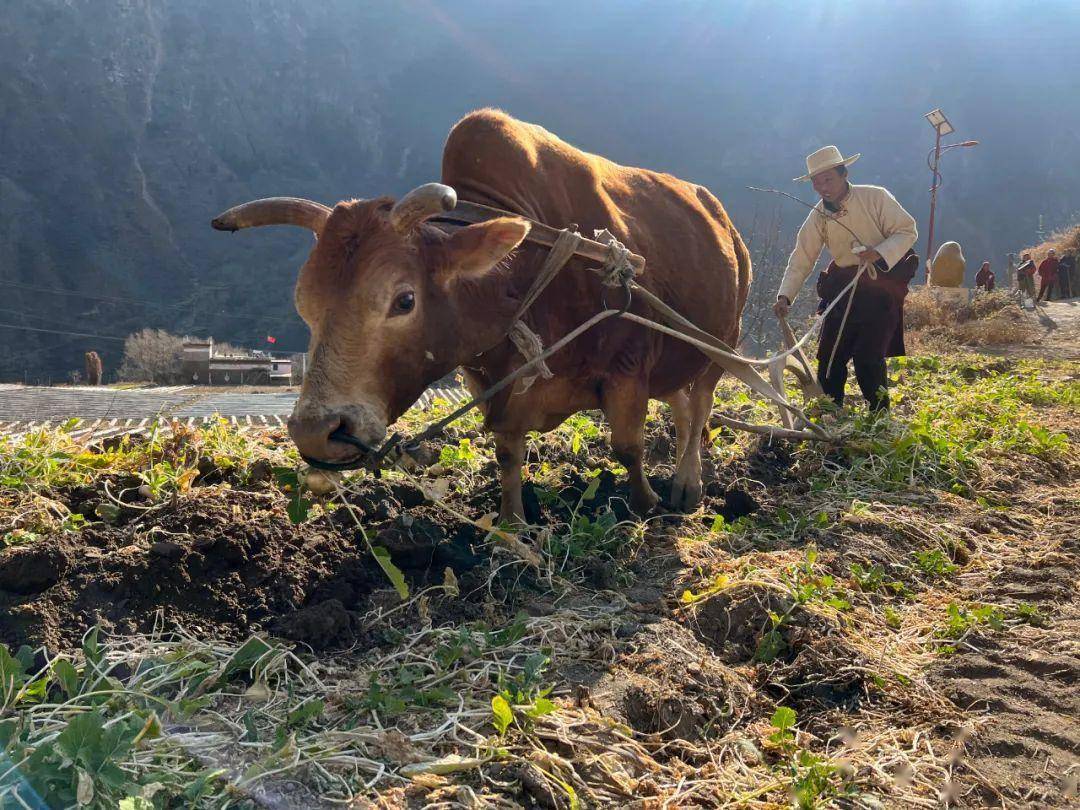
(941, 127)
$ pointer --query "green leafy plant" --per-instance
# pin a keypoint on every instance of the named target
(934, 563)
(525, 687)
(165, 477)
(404, 691)
(97, 751)
(892, 618)
(873, 578)
(578, 431)
(807, 585)
(772, 645)
(19, 684)
(960, 619)
(783, 720)
(813, 781)
(81, 768)
(501, 713)
(1031, 614)
(868, 579)
(288, 479)
(18, 537)
(462, 456)
(73, 522)
(584, 535)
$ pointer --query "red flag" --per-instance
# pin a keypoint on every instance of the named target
(271, 339)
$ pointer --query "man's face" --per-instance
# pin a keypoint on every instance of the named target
(830, 185)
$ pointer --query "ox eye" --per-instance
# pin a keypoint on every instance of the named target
(404, 303)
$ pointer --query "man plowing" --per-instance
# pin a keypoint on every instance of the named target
(862, 227)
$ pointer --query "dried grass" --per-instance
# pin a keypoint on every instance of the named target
(988, 319)
(1064, 241)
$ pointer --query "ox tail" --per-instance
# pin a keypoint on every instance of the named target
(744, 272)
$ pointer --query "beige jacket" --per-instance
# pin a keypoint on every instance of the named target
(875, 216)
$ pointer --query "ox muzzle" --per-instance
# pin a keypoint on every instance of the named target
(338, 439)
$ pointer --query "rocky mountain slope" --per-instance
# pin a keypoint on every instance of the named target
(128, 123)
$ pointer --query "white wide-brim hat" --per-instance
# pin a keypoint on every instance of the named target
(828, 157)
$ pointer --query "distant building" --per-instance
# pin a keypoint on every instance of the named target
(201, 366)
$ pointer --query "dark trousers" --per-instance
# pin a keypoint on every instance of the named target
(1065, 285)
(1044, 289)
(868, 336)
(870, 373)
(873, 330)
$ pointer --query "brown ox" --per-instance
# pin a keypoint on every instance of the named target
(394, 304)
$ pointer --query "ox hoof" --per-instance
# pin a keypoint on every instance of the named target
(644, 502)
(685, 497)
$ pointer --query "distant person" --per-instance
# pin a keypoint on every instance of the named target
(860, 225)
(93, 368)
(1025, 276)
(1048, 273)
(1067, 280)
(984, 279)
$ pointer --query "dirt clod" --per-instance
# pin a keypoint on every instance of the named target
(231, 565)
(168, 550)
(318, 625)
(733, 622)
(33, 568)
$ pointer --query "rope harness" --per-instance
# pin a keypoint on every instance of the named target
(619, 268)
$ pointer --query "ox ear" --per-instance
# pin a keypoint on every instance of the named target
(475, 250)
(476, 285)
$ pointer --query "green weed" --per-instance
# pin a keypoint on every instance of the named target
(873, 578)
(935, 564)
(813, 780)
(463, 456)
(783, 720)
(807, 585)
(403, 692)
(960, 620)
(772, 645)
(1031, 614)
(18, 537)
(947, 423)
(579, 431)
(585, 535)
(892, 618)
(83, 732)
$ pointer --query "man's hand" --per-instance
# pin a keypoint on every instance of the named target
(782, 306)
(869, 256)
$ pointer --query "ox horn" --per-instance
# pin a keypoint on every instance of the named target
(421, 203)
(274, 211)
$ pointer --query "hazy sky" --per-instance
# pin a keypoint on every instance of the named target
(728, 93)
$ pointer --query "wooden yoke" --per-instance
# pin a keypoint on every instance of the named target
(470, 213)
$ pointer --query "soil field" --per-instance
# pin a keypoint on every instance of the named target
(891, 622)
(99, 413)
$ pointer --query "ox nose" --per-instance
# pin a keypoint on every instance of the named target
(314, 438)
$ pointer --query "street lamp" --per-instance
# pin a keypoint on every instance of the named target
(941, 127)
